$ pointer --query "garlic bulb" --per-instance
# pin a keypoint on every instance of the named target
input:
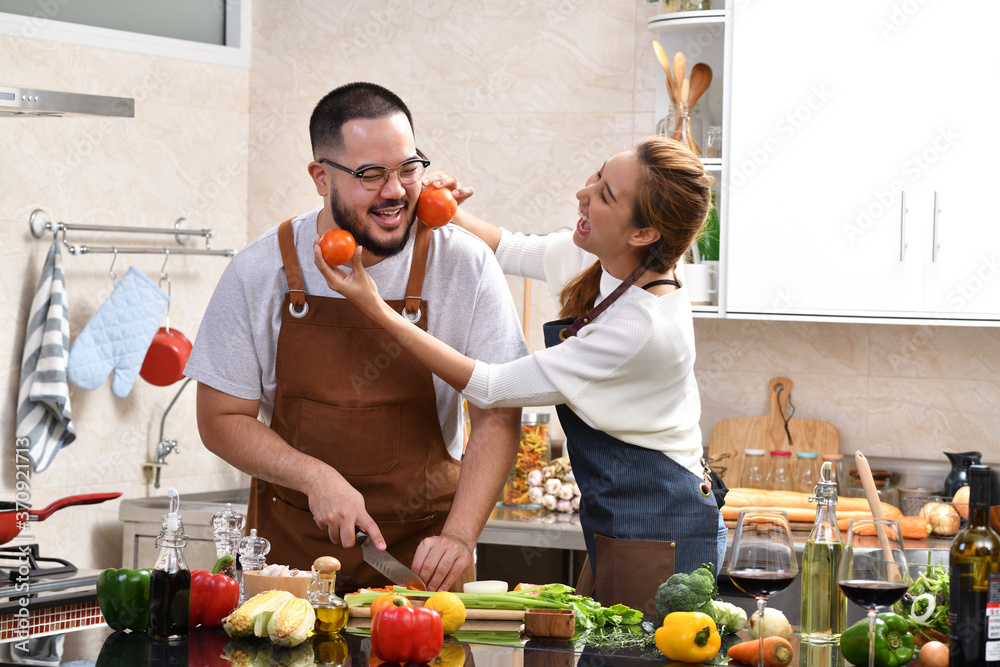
(565, 492)
(534, 477)
(576, 490)
(575, 503)
(535, 494)
(549, 501)
(552, 486)
(569, 477)
(564, 506)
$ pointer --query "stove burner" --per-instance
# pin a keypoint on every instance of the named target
(14, 560)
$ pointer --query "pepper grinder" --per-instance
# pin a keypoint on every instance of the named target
(228, 526)
(252, 551)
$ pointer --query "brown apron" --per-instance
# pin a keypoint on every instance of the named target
(351, 396)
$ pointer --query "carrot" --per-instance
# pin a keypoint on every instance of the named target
(777, 652)
(912, 527)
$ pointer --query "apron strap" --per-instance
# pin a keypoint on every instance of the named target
(293, 274)
(421, 246)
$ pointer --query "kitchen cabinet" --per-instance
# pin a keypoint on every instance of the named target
(860, 162)
(702, 37)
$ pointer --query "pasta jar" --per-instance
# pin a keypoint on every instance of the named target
(532, 454)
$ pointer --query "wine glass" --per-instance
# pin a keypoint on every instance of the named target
(762, 562)
(873, 571)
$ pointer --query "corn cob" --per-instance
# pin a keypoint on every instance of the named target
(244, 620)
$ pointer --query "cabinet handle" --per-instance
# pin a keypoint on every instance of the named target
(935, 246)
(902, 226)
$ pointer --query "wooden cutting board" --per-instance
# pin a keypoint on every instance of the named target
(731, 436)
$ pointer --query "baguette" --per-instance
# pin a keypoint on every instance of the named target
(799, 514)
(786, 500)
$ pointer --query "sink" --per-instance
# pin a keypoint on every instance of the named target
(195, 507)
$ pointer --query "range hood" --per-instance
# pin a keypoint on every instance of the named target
(32, 102)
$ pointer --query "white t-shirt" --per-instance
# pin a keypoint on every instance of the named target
(236, 345)
(630, 373)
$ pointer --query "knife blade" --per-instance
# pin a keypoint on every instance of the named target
(385, 563)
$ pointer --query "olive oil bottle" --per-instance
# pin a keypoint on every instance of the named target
(974, 590)
(824, 606)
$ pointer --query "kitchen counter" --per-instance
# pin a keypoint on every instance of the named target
(212, 648)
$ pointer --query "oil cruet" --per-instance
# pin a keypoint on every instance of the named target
(170, 579)
(331, 610)
(252, 551)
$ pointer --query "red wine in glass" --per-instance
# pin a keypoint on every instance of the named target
(870, 594)
(761, 583)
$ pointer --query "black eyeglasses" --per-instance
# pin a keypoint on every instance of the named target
(375, 177)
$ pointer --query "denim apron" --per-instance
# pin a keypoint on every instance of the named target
(644, 516)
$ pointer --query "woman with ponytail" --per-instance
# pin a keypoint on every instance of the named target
(619, 365)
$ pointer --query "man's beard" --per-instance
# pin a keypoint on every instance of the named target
(349, 220)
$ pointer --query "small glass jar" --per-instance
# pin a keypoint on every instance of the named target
(806, 472)
(779, 472)
(713, 142)
(754, 472)
(330, 608)
(532, 454)
(883, 486)
(839, 476)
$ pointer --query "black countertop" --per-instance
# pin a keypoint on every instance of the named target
(212, 648)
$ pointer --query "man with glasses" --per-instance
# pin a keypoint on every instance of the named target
(339, 427)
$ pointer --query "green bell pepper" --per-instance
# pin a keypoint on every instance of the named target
(124, 598)
(893, 641)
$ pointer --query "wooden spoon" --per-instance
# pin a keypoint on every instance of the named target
(661, 55)
(680, 68)
(874, 502)
(701, 77)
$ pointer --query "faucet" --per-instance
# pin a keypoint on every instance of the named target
(164, 447)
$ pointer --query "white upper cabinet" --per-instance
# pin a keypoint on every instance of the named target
(847, 123)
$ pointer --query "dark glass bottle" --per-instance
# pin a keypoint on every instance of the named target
(975, 582)
(170, 580)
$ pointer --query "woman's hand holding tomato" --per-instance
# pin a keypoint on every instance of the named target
(439, 201)
(357, 285)
(337, 246)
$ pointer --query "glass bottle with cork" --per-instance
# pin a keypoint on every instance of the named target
(331, 610)
(824, 606)
(170, 580)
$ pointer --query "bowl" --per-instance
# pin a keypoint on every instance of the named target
(254, 582)
(549, 623)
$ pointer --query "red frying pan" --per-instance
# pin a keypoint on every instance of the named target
(13, 520)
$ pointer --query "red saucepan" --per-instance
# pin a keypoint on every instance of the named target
(166, 357)
(12, 520)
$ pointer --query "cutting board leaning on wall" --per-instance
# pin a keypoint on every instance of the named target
(731, 436)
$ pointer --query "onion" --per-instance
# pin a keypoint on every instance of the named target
(487, 586)
(931, 604)
(944, 519)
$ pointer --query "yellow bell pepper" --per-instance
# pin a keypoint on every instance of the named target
(688, 636)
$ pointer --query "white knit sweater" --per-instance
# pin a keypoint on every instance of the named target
(630, 373)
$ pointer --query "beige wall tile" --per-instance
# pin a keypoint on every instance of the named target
(971, 353)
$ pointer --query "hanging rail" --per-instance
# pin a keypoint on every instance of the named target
(40, 223)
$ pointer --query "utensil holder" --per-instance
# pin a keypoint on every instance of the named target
(549, 623)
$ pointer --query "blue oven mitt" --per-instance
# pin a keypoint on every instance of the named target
(118, 335)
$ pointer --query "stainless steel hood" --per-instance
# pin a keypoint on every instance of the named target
(33, 102)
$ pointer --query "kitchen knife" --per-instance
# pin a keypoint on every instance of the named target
(385, 563)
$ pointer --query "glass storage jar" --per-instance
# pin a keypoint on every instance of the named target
(883, 485)
(532, 454)
(779, 474)
(839, 476)
(754, 469)
(806, 472)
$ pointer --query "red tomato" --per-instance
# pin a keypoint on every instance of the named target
(338, 246)
(436, 207)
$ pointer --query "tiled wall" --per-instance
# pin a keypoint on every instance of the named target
(520, 99)
(174, 159)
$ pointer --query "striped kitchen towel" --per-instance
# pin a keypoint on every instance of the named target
(44, 417)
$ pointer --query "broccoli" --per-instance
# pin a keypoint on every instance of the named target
(687, 592)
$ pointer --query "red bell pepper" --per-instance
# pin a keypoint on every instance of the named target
(407, 634)
(213, 596)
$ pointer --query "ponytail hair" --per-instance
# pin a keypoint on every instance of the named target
(673, 196)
